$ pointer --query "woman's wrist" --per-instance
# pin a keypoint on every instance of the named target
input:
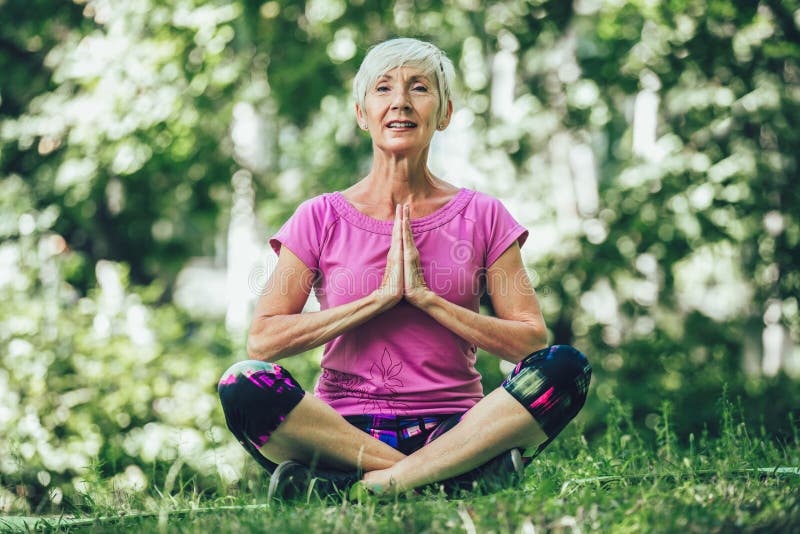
(382, 300)
(422, 298)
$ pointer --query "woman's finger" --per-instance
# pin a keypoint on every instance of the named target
(410, 252)
(414, 286)
(394, 262)
(397, 228)
(408, 237)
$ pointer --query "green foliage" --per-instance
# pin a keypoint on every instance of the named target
(106, 380)
(683, 238)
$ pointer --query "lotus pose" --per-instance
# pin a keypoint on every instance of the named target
(398, 263)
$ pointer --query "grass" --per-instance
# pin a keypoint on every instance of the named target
(624, 480)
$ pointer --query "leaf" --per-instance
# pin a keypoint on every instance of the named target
(386, 360)
(393, 382)
(375, 371)
(395, 370)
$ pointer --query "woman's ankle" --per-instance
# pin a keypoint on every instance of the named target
(379, 482)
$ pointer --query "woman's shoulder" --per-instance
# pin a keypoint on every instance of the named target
(480, 202)
(489, 213)
(320, 206)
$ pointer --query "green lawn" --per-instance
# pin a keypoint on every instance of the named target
(618, 482)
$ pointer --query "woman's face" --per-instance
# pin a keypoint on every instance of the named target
(400, 111)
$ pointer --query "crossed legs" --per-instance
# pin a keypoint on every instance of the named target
(494, 425)
(269, 413)
(314, 434)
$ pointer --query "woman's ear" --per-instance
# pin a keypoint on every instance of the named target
(361, 118)
(447, 116)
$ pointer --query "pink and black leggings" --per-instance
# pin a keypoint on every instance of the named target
(257, 396)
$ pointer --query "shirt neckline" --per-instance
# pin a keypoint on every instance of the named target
(433, 220)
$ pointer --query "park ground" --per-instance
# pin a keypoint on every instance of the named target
(624, 480)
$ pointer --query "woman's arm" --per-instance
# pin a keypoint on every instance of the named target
(518, 328)
(280, 329)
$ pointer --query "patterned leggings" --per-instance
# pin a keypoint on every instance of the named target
(257, 396)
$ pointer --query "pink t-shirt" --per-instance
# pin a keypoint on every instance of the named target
(401, 362)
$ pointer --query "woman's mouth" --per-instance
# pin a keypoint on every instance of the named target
(401, 124)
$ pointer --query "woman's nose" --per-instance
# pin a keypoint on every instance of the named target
(400, 101)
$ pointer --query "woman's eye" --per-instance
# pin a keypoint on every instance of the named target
(420, 88)
(382, 89)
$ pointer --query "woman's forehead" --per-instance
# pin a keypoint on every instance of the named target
(404, 73)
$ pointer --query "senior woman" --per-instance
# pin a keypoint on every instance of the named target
(398, 263)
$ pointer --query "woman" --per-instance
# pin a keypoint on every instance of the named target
(398, 262)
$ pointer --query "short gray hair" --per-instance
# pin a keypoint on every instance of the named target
(406, 52)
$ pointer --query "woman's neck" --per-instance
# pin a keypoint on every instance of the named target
(400, 178)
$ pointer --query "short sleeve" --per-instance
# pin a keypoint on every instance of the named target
(303, 232)
(500, 230)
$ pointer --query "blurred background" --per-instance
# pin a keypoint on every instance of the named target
(148, 148)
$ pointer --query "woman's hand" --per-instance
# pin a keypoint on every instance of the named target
(390, 291)
(414, 287)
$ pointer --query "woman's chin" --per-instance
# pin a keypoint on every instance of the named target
(402, 146)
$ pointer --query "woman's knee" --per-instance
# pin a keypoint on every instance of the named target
(552, 384)
(576, 367)
(256, 397)
(257, 381)
(564, 363)
(240, 371)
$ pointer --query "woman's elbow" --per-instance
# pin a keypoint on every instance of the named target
(535, 340)
(538, 338)
(256, 351)
(261, 344)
